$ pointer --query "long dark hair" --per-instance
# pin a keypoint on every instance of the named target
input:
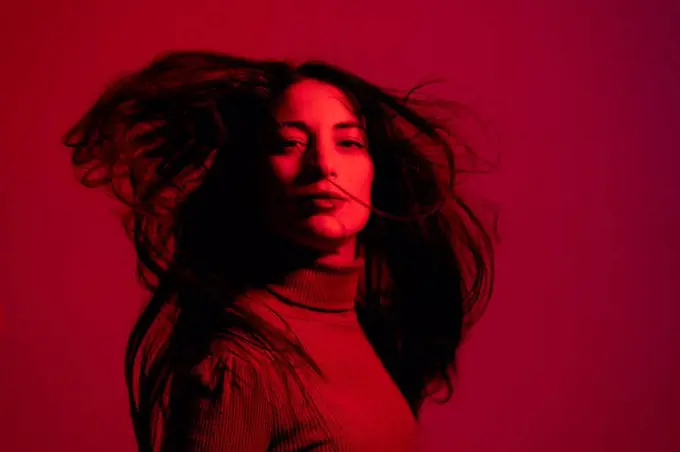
(179, 141)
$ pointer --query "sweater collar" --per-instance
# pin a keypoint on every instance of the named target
(320, 287)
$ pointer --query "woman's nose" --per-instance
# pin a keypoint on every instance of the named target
(322, 159)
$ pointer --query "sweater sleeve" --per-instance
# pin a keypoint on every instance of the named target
(227, 409)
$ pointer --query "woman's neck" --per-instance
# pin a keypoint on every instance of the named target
(340, 256)
(273, 258)
(293, 254)
(303, 276)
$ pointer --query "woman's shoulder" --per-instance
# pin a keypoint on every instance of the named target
(234, 359)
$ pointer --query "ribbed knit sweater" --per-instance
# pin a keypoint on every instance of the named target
(241, 402)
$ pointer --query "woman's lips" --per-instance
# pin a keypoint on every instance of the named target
(318, 204)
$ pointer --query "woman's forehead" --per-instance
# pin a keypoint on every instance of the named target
(314, 101)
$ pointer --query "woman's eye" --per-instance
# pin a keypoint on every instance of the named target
(351, 144)
(292, 144)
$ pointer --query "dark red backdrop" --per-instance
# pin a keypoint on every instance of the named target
(578, 351)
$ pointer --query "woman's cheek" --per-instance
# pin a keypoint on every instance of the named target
(285, 170)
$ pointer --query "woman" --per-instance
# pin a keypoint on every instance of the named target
(312, 268)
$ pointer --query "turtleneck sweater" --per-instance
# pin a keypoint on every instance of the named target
(241, 401)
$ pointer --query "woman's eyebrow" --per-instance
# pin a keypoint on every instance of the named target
(295, 125)
(300, 125)
(349, 125)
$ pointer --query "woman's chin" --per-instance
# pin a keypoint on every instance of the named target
(327, 227)
(324, 232)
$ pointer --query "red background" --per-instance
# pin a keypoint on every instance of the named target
(578, 350)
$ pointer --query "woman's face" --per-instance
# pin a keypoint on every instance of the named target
(323, 143)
